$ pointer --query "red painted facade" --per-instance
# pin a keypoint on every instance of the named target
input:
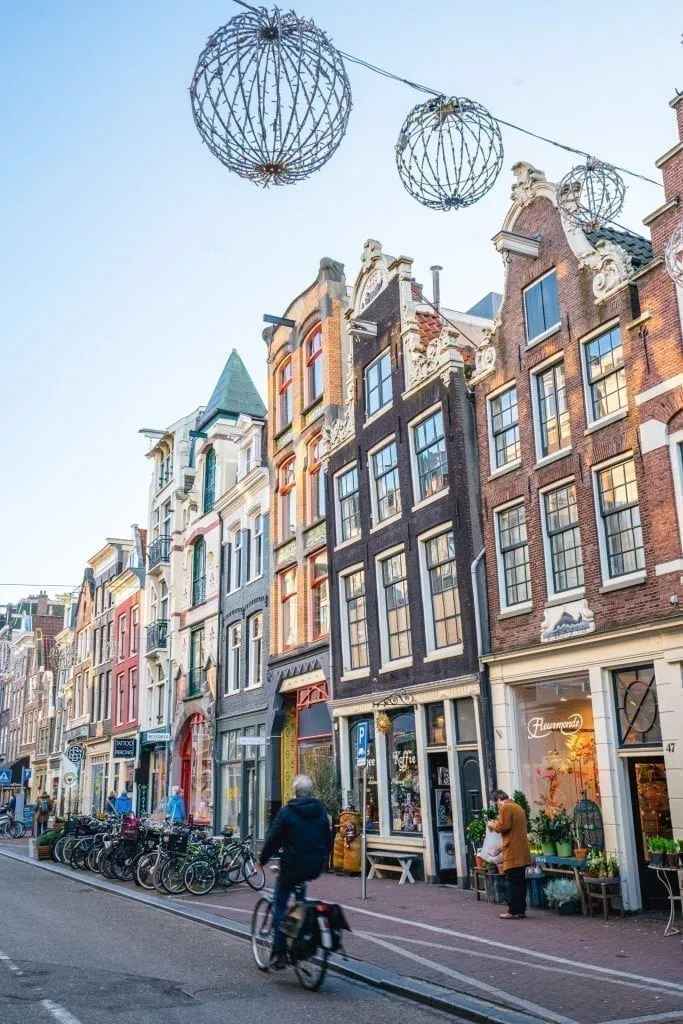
(126, 696)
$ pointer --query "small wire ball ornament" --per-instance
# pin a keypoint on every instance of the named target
(449, 152)
(673, 255)
(591, 195)
(271, 97)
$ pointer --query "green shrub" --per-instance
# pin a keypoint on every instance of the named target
(476, 831)
(520, 799)
(47, 838)
(560, 891)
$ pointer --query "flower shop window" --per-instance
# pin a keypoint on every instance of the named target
(372, 802)
(404, 781)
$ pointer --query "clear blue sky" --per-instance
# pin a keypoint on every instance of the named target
(132, 262)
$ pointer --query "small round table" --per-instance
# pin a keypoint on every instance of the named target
(664, 874)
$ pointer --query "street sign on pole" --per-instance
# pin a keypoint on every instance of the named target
(362, 736)
(5, 777)
(362, 730)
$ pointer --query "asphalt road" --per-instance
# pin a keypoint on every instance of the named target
(73, 955)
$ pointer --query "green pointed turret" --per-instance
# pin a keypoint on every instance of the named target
(234, 393)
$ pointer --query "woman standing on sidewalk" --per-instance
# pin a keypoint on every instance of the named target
(511, 823)
(43, 808)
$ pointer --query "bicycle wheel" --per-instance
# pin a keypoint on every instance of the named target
(255, 876)
(79, 854)
(92, 860)
(68, 849)
(173, 875)
(17, 830)
(105, 864)
(58, 849)
(262, 933)
(144, 869)
(122, 864)
(200, 877)
(311, 971)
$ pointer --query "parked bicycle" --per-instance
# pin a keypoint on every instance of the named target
(11, 827)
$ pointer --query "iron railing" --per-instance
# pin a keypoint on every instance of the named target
(159, 552)
(157, 636)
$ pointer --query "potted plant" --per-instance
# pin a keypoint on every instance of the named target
(671, 851)
(476, 832)
(562, 834)
(596, 864)
(44, 843)
(563, 894)
(680, 853)
(543, 832)
(612, 866)
(580, 851)
(657, 847)
(519, 798)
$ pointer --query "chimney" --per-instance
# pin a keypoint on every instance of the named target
(436, 291)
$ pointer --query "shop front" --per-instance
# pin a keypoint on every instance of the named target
(195, 753)
(242, 776)
(424, 775)
(152, 773)
(305, 732)
(123, 762)
(602, 744)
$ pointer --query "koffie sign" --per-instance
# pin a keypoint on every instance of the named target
(125, 748)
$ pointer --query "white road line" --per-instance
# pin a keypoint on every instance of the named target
(660, 982)
(58, 1012)
(539, 1011)
(519, 963)
(9, 965)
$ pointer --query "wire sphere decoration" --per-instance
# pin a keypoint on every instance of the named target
(271, 97)
(449, 152)
(591, 195)
(673, 255)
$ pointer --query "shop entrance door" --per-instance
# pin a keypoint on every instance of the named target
(249, 814)
(470, 784)
(186, 769)
(442, 817)
(651, 817)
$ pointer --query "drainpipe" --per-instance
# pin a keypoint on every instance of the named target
(484, 683)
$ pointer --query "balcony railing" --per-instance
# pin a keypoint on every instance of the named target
(157, 636)
(159, 552)
(198, 590)
(194, 681)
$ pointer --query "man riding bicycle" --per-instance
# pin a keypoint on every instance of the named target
(301, 830)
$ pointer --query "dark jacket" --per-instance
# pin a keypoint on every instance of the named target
(301, 830)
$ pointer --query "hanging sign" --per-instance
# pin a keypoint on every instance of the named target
(124, 748)
(75, 754)
(362, 730)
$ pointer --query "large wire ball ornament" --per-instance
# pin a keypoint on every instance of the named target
(449, 152)
(271, 97)
(591, 195)
(673, 255)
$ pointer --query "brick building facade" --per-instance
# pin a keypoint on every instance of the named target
(579, 403)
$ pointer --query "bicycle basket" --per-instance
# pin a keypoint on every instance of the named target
(129, 828)
(175, 842)
(71, 827)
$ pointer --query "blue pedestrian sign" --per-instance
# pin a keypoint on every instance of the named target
(5, 777)
(362, 730)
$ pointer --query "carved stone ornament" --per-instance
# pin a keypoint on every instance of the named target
(438, 356)
(526, 178)
(613, 268)
(485, 359)
(564, 621)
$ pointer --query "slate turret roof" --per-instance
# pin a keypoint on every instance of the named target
(234, 394)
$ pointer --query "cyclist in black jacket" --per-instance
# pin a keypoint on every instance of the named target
(301, 830)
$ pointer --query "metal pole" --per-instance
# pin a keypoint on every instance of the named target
(364, 837)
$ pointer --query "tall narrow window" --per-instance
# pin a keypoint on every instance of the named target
(288, 500)
(209, 479)
(316, 480)
(620, 516)
(431, 462)
(166, 519)
(255, 638)
(288, 608)
(564, 538)
(314, 365)
(120, 699)
(541, 307)
(504, 428)
(387, 492)
(123, 649)
(514, 553)
(606, 375)
(134, 630)
(349, 505)
(234, 657)
(133, 701)
(196, 662)
(444, 610)
(356, 620)
(320, 598)
(553, 411)
(199, 571)
(257, 542)
(396, 608)
(237, 559)
(378, 384)
(285, 394)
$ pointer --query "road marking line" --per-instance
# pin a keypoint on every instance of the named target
(520, 963)
(58, 1012)
(9, 965)
(671, 985)
(505, 997)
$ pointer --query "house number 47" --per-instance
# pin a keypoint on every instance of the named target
(671, 747)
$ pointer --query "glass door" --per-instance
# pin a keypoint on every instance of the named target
(651, 817)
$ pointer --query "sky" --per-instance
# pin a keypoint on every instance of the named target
(132, 262)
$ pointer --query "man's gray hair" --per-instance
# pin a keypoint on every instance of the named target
(303, 785)
(500, 794)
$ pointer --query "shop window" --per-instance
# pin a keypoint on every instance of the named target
(635, 691)
(404, 783)
(465, 721)
(556, 741)
(231, 779)
(314, 730)
(436, 724)
(372, 801)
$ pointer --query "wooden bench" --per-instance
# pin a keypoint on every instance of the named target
(402, 868)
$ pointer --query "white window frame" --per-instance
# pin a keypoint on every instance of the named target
(252, 684)
(339, 541)
(367, 415)
(530, 342)
(509, 467)
(347, 671)
(562, 595)
(234, 683)
(534, 374)
(415, 476)
(374, 503)
(235, 529)
(613, 417)
(434, 653)
(522, 606)
(612, 582)
(676, 454)
(254, 537)
(386, 664)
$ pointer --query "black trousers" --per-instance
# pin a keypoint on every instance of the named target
(516, 886)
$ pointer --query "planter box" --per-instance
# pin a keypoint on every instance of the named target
(44, 852)
(534, 891)
(496, 888)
